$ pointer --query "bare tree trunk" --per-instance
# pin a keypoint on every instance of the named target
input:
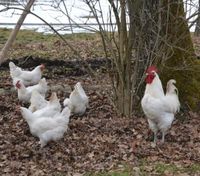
(197, 29)
(124, 95)
(4, 51)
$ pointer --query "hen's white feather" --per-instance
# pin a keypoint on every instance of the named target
(52, 108)
(24, 93)
(37, 101)
(26, 77)
(78, 100)
(47, 129)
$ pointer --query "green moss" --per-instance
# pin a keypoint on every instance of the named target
(188, 84)
(182, 65)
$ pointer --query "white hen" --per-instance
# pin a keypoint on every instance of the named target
(47, 129)
(158, 107)
(51, 109)
(37, 101)
(26, 77)
(78, 100)
(24, 93)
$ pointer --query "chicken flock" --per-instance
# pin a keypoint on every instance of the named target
(48, 121)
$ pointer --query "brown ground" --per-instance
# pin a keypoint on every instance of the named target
(97, 141)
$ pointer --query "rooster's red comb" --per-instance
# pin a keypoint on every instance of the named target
(152, 68)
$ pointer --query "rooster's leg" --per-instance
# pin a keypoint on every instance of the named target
(154, 128)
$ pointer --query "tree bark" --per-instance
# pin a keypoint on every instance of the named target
(144, 20)
(180, 61)
(197, 28)
(5, 49)
(163, 38)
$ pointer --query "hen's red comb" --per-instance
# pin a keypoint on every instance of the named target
(18, 85)
(152, 68)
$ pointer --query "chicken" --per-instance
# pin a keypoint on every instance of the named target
(172, 96)
(158, 107)
(77, 101)
(26, 77)
(24, 93)
(37, 101)
(47, 129)
(51, 109)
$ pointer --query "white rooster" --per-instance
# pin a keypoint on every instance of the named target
(47, 129)
(26, 77)
(159, 108)
(24, 93)
(78, 100)
(52, 108)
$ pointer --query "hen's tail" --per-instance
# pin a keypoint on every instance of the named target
(14, 70)
(12, 66)
(82, 93)
(37, 101)
(62, 119)
(66, 102)
(80, 89)
(54, 102)
(53, 97)
(43, 82)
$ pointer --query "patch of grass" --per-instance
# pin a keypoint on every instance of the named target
(32, 43)
(124, 171)
(81, 36)
(162, 168)
(147, 169)
(175, 169)
(194, 168)
(4, 33)
(27, 36)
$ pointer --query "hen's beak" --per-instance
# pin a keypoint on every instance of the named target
(18, 85)
(42, 67)
(18, 109)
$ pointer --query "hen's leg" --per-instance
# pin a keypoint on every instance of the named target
(42, 143)
(155, 137)
(163, 137)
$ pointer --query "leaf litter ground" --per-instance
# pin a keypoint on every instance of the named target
(99, 140)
